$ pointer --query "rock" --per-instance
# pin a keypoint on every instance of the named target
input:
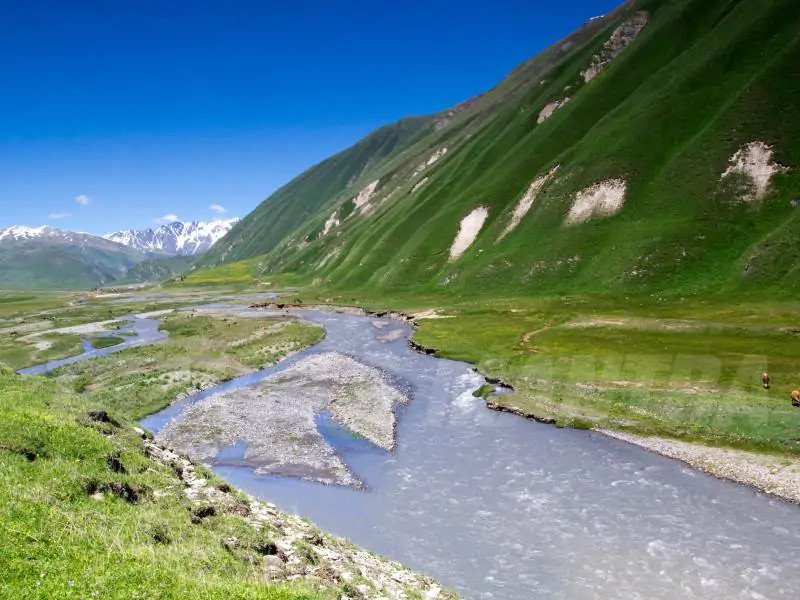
(201, 512)
(230, 544)
(140, 432)
(315, 538)
(101, 416)
(115, 464)
(432, 593)
(273, 561)
(266, 548)
(403, 577)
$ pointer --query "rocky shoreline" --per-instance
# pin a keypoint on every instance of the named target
(772, 474)
(296, 550)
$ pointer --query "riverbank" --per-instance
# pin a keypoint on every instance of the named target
(772, 474)
(290, 547)
(682, 381)
(132, 519)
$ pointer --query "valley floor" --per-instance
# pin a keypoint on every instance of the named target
(92, 507)
(681, 377)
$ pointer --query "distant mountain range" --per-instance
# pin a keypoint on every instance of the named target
(175, 239)
(50, 258)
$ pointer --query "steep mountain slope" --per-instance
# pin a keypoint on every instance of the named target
(177, 238)
(396, 145)
(656, 148)
(292, 205)
(156, 269)
(49, 258)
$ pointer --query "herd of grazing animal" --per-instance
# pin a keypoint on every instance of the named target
(795, 395)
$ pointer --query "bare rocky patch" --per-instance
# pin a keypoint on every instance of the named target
(603, 199)
(526, 202)
(333, 221)
(754, 162)
(468, 230)
(365, 196)
(432, 159)
(329, 257)
(276, 420)
(619, 40)
(549, 109)
(419, 184)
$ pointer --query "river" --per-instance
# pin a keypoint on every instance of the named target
(496, 506)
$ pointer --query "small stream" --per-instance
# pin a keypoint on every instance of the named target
(496, 506)
(136, 331)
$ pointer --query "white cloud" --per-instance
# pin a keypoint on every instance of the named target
(59, 215)
(218, 208)
(166, 219)
(82, 200)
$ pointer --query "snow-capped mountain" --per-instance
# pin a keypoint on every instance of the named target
(20, 233)
(175, 238)
(50, 258)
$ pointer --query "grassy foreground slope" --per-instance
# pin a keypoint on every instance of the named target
(61, 542)
(90, 507)
(702, 81)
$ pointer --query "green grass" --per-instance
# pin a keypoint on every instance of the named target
(17, 354)
(29, 314)
(201, 351)
(15, 303)
(58, 542)
(231, 274)
(681, 376)
(106, 341)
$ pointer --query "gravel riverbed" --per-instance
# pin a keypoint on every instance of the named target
(776, 475)
(276, 419)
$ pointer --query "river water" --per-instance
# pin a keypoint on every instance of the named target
(135, 331)
(496, 506)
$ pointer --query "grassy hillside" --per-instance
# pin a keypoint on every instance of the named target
(156, 269)
(291, 205)
(60, 542)
(702, 81)
(46, 265)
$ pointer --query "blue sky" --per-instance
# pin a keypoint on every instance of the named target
(114, 114)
